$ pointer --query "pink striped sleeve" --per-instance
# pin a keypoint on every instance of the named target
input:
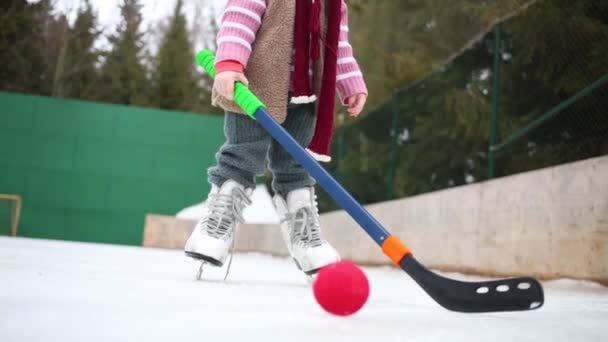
(349, 77)
(238, 28)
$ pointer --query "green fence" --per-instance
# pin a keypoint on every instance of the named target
(529, 93)
(91, 171)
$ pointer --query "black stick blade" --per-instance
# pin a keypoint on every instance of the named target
(514, 294)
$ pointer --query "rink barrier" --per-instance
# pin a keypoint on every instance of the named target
(550, 223)
(89, 171)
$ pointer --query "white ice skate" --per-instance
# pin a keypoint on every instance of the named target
(212, 237)
(302, 232)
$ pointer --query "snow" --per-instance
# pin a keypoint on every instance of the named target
(66, 291)
(261, 210)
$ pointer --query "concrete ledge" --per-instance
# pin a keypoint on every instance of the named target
(170, 232)
(550, 223)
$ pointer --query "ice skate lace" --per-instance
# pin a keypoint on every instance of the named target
(225, 212)
(305, 227)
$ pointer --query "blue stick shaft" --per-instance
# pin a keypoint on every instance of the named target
(327, 182)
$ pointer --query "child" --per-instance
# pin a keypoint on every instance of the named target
(294, 55)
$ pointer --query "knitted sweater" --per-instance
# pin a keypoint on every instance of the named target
(238, 29)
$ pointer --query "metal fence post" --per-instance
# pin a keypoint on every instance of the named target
(495, 98)
(393, 161)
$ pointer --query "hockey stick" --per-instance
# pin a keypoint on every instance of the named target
(500, 295)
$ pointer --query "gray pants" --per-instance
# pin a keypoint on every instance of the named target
(249, 148)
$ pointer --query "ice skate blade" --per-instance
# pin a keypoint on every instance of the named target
(308, 273)
(312, 273)
(205, 258)
(199, 273)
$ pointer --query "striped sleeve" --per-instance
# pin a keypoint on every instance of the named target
(349, 79)
(238, 28)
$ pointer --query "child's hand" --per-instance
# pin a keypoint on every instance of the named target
(224, 83)
(355, 104)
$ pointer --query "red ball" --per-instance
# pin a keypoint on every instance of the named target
(341, 288)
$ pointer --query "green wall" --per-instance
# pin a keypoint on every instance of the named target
(91, 171)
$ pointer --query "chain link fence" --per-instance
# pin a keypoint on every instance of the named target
(526, 93)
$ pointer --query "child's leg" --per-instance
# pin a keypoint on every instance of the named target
(288, 174)
(243, 155)
(295, 200)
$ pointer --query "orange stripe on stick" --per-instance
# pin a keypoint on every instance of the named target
(395, 249)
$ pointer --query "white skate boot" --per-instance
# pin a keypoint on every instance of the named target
(302, 232)
(212, 237)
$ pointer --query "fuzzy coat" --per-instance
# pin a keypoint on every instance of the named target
(267, 61)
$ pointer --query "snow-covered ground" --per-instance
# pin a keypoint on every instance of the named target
(261, 210)
(64, 291)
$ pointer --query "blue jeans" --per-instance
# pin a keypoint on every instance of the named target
(249, 149)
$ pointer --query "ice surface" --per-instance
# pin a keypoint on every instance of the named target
(64, 291)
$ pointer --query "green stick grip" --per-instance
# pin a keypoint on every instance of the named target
(242, 95)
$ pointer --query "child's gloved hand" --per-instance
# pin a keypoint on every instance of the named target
(355, 104)
(224, 83)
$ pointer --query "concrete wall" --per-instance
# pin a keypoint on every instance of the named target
(549, 223)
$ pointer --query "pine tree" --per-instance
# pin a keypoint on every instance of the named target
(175, 80)
(56, 37)
(80, 76)
(123, 76)
(204, 29)
(22, 63)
